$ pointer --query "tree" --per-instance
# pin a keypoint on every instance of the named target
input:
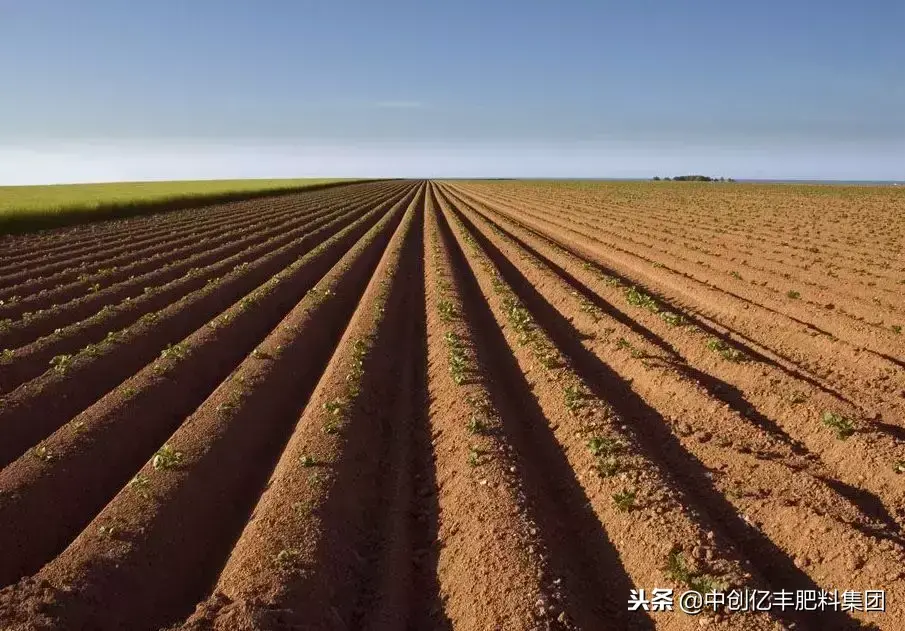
(656, 178)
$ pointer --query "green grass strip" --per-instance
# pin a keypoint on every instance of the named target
(29, 208)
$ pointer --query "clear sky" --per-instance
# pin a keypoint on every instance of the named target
(111, 89)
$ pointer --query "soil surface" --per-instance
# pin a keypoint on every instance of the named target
(457, 405)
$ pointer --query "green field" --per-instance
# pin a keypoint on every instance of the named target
(24, 208)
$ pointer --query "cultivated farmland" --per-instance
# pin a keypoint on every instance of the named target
(456, 405)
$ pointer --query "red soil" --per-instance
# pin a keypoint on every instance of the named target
(469, 405)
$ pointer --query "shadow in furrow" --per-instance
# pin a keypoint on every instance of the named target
(427, 610)
(735, 399)
(746, 344)
(660, 443)
(579, 548)
(871, 506)
(715, 387)
(895, 431)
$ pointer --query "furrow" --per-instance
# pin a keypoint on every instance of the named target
(303, 557)
(41, 509)
(123, 304)
(743, 461)
(37, 408)
(200, 249)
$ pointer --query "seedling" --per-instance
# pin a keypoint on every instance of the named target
(474, 457)
(334, 407)
(623, 343)
(897, 329)
(548, 357)
(638, 298)
(141, 484)
(7, 353)
(726, 351)
(899, 466)
(61, 363)
(42, 452)
(331, 427)
(603, 447)
(94, 288)
(841, 425)
(458, 357)
(591, 309)
(166, 458)
(794, 295)
(677, 569)
(447, 310)
(672, 318)
(115, 336)
(797, 397)
(107, 531)
(625, 500)
(286, 557)
(307, 461)
(735, 275)
(258, 353)
(175, 351)
(476, 425)
(607, 467)
(575, 396)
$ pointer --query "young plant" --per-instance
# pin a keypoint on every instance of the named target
(638, 298)
(174, 351)
(61, 363)
(106, 531)
(42, 452)
(575, 396)
(725, 351)
(334, 407)
(602, 447)
(458, 357)
(794, 295)
(607, 467)
(141, 484)
(677, 569)
(286, 557)
(625, 500)
(672, 318)
(476, 424)
(591, 309)
(841, 425)
(447, 310)
(307, 461)
(166, 458)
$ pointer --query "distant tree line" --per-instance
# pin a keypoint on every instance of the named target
(692, 178)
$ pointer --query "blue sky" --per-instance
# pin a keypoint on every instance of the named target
(106, 90)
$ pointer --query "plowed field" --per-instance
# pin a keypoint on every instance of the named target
(456, 405)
